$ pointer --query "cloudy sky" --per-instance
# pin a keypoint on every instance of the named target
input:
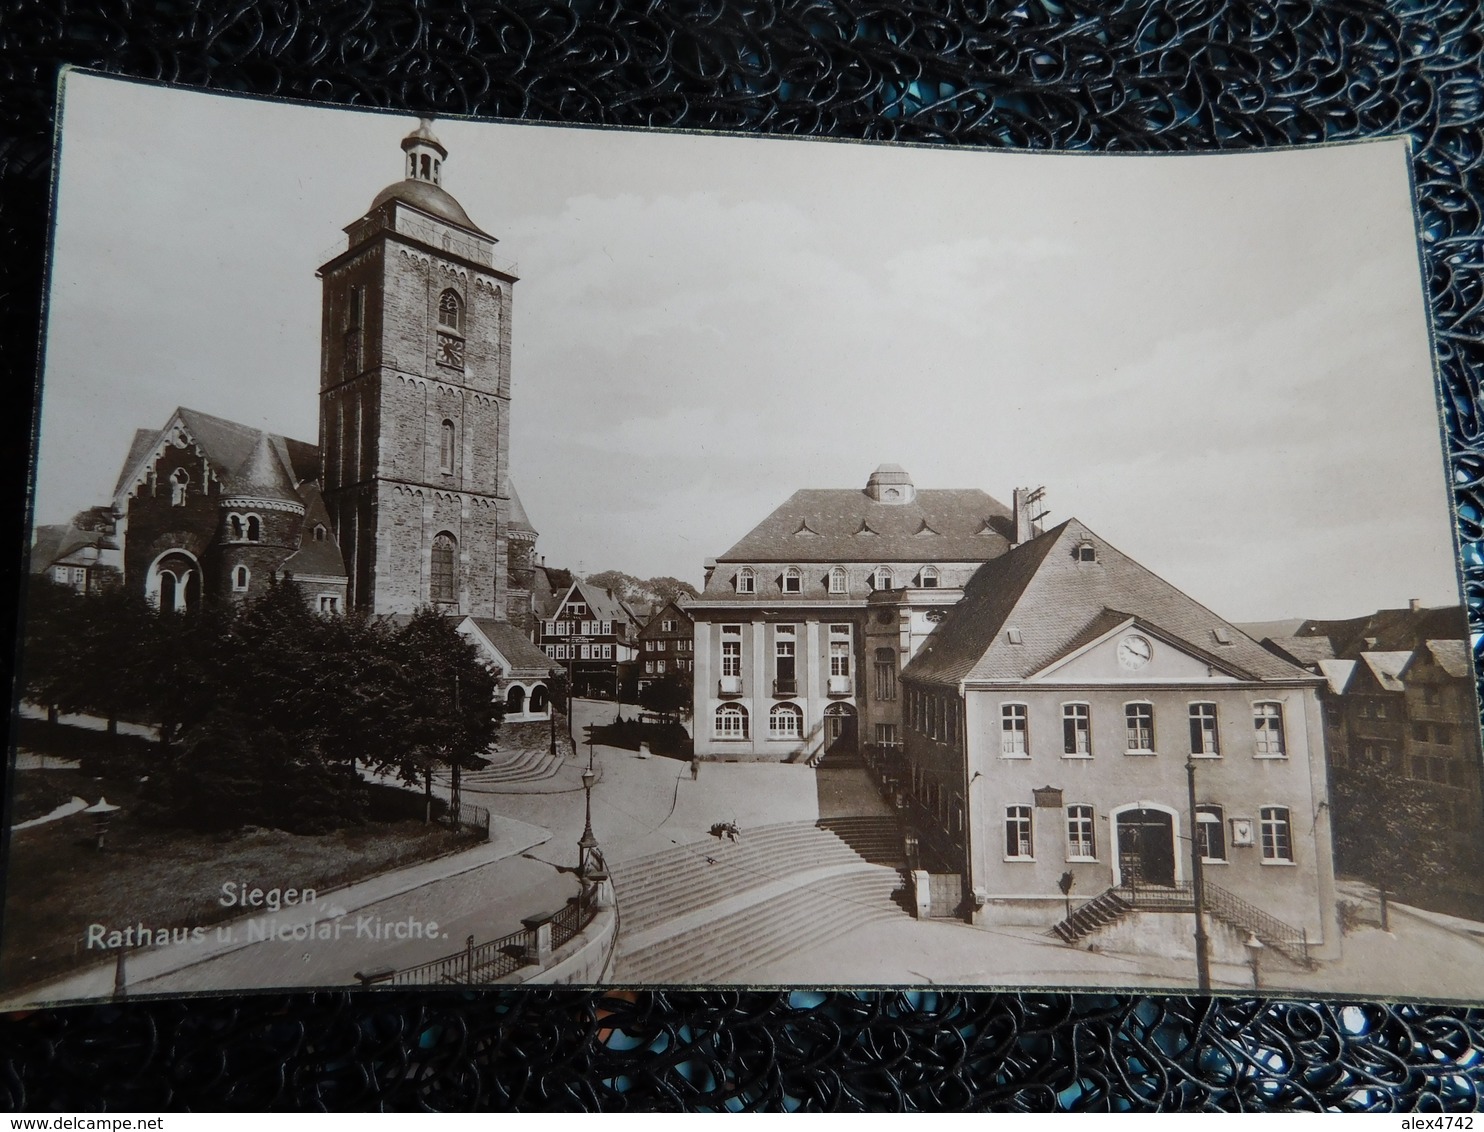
(1218, 363)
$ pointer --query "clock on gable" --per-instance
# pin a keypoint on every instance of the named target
(450, 351)
(1134, 652)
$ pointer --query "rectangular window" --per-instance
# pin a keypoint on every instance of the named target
(1203, 737)
(667, 626)
(1018, 833)
(885, 670)
(659, 665)
(1076, 728)
(1380, 709)
(1332, 714)
(1081, 834)
(839, 658)
(785, 663)
(606, 628)
(1277, 834)
(1013, 739)
(1267, 725)
(587, 652)
(577, 609)
(608, 655)
(551, 651)
(649, 667)
(886, 734)
(1210, 833)
(329, 604)
(1442, 733)
(731, 658)
(659, 646)
(1139, 722)
(551, 629)
(1419, 732)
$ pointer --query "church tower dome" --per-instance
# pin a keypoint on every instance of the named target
(422, 185)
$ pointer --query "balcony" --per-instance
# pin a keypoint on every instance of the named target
(729, 686)
(785, 686)
(841, 686)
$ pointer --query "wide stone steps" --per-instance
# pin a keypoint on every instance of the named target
(699, 874)
(752, 938)
(507, 767)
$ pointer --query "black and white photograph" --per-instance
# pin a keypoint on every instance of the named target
(469, 553)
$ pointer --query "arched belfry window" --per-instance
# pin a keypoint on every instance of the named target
(179, 480)
(240, 578)
(446, 447)
(254, 529)
(444, 587)
(234, 525)
(451, 311)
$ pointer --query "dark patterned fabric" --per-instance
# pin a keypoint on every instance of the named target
(1142, 75)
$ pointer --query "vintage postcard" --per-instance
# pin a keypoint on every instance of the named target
(476, 553)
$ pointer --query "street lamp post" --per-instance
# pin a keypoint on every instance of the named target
(587, 842)
(551, 712)
(1198, 889)
(1254, 948)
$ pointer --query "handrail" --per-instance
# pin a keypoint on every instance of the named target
(493, 960)
(1284, 937)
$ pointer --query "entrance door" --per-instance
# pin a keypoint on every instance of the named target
(839, 728)
(1146, 847)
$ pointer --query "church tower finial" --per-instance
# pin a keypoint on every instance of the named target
(425, 154)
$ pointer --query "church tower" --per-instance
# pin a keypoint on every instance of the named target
(415, 399)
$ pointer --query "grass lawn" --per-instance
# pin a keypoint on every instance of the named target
(57, 883)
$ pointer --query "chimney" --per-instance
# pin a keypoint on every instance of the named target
(1027, 501)
(1415, 604)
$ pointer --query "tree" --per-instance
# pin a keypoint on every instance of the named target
(645, 591)
(1392, 830)
(668, 695)
(666, 589)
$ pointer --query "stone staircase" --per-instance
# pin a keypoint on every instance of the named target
(1113, 904)
(738, 906)
(507, 768)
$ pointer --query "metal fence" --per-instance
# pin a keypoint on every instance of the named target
(491, 961)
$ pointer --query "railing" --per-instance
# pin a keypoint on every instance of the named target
(784, 687)
(729, 686)
(1291, 941)
(839, 686)
(475, 817)
(491, 961)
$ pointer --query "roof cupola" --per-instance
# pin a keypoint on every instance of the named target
(890, 483)
(425, 154)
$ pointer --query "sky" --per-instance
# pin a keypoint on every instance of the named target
(1219, 363)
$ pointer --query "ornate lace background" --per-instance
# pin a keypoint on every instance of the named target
(1138, 75)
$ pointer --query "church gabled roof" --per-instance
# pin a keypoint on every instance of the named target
(1054, 599)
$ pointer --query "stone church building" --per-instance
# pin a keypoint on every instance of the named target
(406, 500)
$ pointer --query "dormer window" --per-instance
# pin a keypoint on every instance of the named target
(319, 532)
(1086, 552)
(883, 578)
(839, 580)
(928, 578)
(746, 581)
(793, 580)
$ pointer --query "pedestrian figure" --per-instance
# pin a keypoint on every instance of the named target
(695, 769)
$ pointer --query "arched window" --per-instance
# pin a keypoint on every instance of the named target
(254, 529)
(928, 579)
(319, 532)
(730, 722)
(538, 698)
(793, 580)
(839, 580)
(515, 700)
(444, 589)
(234, 526)
(178, 481)
(746, 581)
(883, 579)
(445, 447)
(451, 311)
(785, 721)
(240, 578)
